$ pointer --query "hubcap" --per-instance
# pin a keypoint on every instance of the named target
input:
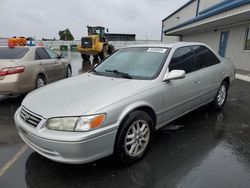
(40, 83)
(137, 138)
(221, 95)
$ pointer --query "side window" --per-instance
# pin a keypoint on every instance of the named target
(204, 57)
(41, 54)
(183, 60)
(51, 53)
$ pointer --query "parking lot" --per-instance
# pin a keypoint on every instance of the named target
(205, 148)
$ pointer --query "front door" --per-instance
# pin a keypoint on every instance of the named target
(223, 43)
(180, 96)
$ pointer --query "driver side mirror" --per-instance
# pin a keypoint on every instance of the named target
(174, 75)
(60, 56)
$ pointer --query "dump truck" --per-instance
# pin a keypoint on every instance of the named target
(95, 44)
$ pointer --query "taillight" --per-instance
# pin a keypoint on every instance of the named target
(11, 70)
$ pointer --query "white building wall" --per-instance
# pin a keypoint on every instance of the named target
(210, 38)
(235, 46)
(166, 39)
(204, 4)
(183, 15)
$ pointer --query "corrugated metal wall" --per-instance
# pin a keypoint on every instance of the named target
(235, 46)
(210, 38)
(183, 15)
(204, 4)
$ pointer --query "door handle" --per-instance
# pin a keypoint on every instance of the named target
(222, 72)
(197, 82)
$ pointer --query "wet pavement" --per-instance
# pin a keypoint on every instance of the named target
(205, 148)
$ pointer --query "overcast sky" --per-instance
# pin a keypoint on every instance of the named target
(44, 18)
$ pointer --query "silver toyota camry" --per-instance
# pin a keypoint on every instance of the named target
(117, 107)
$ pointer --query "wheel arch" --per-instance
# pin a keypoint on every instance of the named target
(43, 75)
(227, 80)
(143, 106)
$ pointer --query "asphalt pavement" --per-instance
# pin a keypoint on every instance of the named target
(205, 148)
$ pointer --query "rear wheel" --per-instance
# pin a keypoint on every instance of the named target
(104, 53)
(221, 96)
(96, 58)
(134, 137)
(85, 57)
(111, 49)
(40, 81)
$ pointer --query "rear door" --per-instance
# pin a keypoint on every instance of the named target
(42, 57)
(181, 95)
(210, 72)
(58, 64)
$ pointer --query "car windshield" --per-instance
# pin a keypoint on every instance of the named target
(12, 53)
(134, 63)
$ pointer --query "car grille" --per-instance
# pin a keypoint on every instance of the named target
(86, 42)
(30, 118)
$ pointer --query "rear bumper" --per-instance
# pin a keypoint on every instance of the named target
(71, 152)
(11, 85)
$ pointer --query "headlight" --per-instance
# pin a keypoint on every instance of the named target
(83, 123)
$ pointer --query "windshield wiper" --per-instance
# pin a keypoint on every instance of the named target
(93, 70)
(122, 74)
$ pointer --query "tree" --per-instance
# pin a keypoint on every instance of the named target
(65, 35)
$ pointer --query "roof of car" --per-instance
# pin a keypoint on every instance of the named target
(24, 46)
(166, 45)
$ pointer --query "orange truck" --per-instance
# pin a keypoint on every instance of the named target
(14, 41)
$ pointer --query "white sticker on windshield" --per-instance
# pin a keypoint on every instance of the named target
(157, 50)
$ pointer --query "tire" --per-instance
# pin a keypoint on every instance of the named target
(221, 96)
(104, 53)
(40, 81)
(111, 49)
(69, 72)
(85, 57)
(131, 144)
(96, 58)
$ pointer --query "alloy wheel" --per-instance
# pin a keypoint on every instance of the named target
(221, 97)
(137, 138)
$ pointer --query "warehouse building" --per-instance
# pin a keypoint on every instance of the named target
(222, 24)
(120, 37)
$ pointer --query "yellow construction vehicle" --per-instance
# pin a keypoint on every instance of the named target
(95, 44)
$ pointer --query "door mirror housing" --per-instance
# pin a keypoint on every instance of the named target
(174, 75)
(60, 56)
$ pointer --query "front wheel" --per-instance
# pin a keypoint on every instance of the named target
(134, 137)
(221, 96)
(69, 72)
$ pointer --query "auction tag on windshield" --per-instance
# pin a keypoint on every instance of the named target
(157, 50)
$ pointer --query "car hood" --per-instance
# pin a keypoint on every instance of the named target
(81, 95)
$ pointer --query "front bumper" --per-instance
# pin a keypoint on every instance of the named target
(72, 152)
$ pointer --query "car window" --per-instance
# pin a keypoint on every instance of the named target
(12, 53)
(41, 54)
(182, 60)
(51, 53)
(204, 57)
(138, 62)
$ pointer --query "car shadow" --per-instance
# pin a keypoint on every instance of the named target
(9, 105)
(170, 151)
